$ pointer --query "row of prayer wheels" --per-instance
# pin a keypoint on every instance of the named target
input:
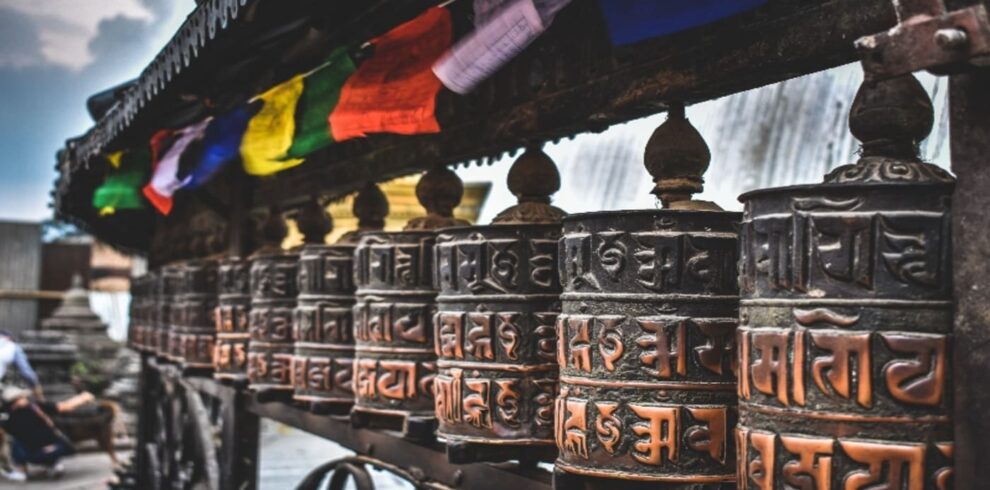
(801, 344)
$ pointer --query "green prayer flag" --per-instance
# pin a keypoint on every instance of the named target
(122, 187)
(321, 90)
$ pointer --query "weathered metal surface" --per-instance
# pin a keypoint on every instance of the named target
(927, 37)
(197, 303)
(846, 312)
(394, 362)
(139, 312)
(970, 102)
(273, 298)
(232, 319)
(323, 329)
(167, 283)
(495, 336)
(645, 346)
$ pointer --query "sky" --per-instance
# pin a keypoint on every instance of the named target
(54, 54)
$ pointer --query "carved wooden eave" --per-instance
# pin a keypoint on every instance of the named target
(572, 80)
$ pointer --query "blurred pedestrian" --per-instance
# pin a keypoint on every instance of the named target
(34, 438)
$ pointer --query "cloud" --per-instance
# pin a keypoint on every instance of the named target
(66, 27)
(45, 101)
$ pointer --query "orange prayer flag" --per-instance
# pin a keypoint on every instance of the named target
(395, 90)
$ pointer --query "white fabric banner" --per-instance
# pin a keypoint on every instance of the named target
(502, 36)
(165, 181)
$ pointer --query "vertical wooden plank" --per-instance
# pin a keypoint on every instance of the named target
(970, 134)
(239, 458)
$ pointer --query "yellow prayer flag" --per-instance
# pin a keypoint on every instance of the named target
(114, 158)
(269, 133)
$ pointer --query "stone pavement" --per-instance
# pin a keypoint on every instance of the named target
(87, 471)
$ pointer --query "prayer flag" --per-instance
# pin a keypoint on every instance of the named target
(504, 33)
(221, 144)
(631, 21)
(269, 133)
(121, 188)
(165, 173)
(321, 91)
(394, 91)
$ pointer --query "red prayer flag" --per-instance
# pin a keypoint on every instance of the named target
(395, 90)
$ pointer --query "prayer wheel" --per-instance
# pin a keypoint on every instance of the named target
(846, 313)
(645, 337)
(273, 298)
(323, 327)
(231, 319)
(394, 360)
(499, 297)
(197, 332)
(137, 327)
(168, 313)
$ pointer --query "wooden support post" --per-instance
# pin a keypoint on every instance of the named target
(970, 134)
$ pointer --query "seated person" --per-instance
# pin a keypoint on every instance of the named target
(34, 437)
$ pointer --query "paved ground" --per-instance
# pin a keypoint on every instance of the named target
(288, 455)
(89, 471)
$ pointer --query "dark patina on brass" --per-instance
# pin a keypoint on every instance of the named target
(323, 327)
(199, 299)
(139, 321)
(231, 318)
(846, 314)
(499, 297)
(394, 361)
(273, 298)
(166, 344)
(646, 335)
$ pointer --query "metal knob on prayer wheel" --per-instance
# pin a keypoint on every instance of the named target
(273, 299)
(323, 327)
(646, 334)
(846, 313)
(394, 360)
(499, 297)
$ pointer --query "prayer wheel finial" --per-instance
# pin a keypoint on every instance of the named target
(370, 208)
(890, 118)
(533, 178)
(677, 158)
(314, 222)
(273, 231)
(439, 191)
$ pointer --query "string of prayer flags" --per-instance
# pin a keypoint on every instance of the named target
(121, 188)
(221, 144)
(321, 91)
(394, 91)
(504, 33)
(269, 133)
(165, 172)
(631, 21)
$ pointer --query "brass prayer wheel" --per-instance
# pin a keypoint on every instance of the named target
(231, 319)
(499, 297)
(197, 331)
(137, 327)
(168, 314)
(323, 327)
(846, 314)
(394, 360)
(273, 298)
(645, 346)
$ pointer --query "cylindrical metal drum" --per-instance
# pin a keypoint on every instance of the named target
(231, 318)
(177, 311)
(137, 324)
(197, 302)
(273, 298)
(846, 312)
(171, 277)
(495, 334)
(323, 330)
(155, 286)
(645, 346)
(846, 315)
(394, 361)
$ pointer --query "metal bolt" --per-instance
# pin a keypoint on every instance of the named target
(951, 38)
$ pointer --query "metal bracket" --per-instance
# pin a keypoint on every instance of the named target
(928, 38)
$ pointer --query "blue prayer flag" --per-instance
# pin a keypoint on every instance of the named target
(221, 144)
(631, 21)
